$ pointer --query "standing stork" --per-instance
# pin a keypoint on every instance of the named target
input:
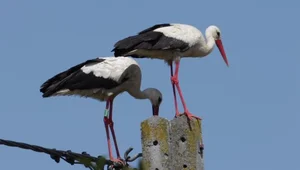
(103, 79)
(171, 42)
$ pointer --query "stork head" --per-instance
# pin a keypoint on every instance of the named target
(216, 34)
(155, 97)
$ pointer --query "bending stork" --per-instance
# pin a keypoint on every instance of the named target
(103, 79)
(171, 42)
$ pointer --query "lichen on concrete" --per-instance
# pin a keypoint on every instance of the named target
(155, 130)
(171, 152)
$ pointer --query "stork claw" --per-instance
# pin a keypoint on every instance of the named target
(189, 115)
(178, 114)
(117, 163)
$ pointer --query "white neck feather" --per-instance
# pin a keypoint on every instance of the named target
(210, 42)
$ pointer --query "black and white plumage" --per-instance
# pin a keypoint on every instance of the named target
(103, 79)
(87, 79)
(171, 42)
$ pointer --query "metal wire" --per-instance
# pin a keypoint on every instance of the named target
(72, 157)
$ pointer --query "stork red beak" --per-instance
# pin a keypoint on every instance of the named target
(155, 110)
(222, 51)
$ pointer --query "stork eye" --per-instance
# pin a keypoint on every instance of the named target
(218, 33)
(159, 99)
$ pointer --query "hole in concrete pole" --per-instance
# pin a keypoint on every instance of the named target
(155, 142)
(182, 139)
(156, 169)
(184, 166)
(166, 155)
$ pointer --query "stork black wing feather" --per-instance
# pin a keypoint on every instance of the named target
(75, 79)
(155, 27)
(142, 41)
(66, 73)
(148, 41)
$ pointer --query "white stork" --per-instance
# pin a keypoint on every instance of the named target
(103, 79)
(171, 42)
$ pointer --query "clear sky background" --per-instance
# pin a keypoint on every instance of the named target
(250, 110)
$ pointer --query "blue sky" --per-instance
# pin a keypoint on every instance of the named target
(250, 110)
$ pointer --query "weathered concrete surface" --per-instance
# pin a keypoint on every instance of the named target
(185, 144)
(172, 145)
(155, 143)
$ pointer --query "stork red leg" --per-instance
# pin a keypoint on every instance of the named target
(111, 126)
(174, 92)
(106, 122)
(176, 82)
(109, 123)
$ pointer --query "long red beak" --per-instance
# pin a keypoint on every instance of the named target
(222, 51)
(155, 110)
